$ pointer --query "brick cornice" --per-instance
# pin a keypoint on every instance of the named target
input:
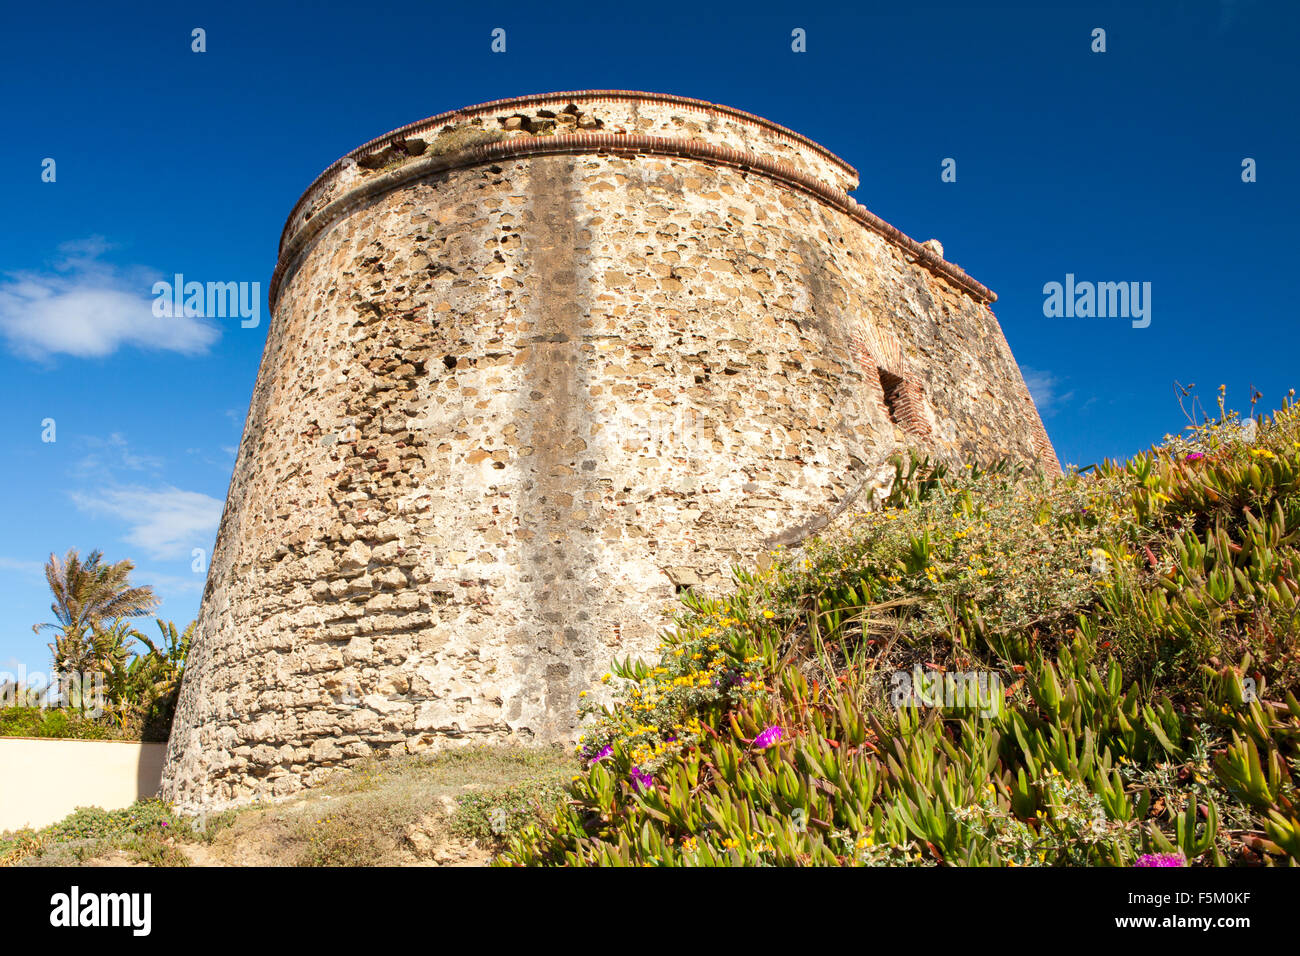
(684, 103)
(618, 144)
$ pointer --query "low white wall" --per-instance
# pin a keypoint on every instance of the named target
(42, 781)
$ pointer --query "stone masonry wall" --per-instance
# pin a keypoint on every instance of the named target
(508, 409)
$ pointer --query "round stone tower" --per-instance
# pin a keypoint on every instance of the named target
(534, 367)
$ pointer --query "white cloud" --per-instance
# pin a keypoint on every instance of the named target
(171, 585)
(12, 669)
(22, 567)
(87, 308)
(1044, 390)
(165, 522)
(110, 454)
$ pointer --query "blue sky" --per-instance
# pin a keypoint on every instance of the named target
(1115, 166)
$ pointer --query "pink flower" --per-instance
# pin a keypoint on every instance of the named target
(768, 737)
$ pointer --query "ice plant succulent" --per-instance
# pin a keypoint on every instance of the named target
(1133, 603)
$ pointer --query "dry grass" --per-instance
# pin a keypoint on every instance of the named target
(453, 808)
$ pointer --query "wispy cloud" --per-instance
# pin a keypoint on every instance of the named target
(1044, 389)
(166, 523)
(18, 566)
(111, 454)
(14, 669)
(84, 307)
(172, 585)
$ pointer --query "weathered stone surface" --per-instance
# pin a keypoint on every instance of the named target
(507, 408)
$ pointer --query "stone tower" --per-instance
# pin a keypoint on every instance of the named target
(535, 366)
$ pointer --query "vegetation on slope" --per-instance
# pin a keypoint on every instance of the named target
(994, 668)
(456, 807)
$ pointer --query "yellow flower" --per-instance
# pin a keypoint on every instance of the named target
(769, 615)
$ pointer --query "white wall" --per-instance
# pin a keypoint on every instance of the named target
(42, 781)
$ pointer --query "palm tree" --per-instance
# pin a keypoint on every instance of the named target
(154, 679)
(87, 595)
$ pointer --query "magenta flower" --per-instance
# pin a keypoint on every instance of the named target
(641, 779)
(604, 752)
(768, 737)
(1194, 456)
(1161, 859)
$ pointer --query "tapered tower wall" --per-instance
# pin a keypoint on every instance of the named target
(534, 367)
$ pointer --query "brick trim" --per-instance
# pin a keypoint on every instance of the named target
(1042, 443)
(1045, 450)
(901, 398)
(686, 103)
(623, 145)
(909, 407)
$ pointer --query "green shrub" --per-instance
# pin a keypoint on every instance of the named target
(1137, 625)
(52, 722)
(93, 823)
(497, 815)
(148, 830)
